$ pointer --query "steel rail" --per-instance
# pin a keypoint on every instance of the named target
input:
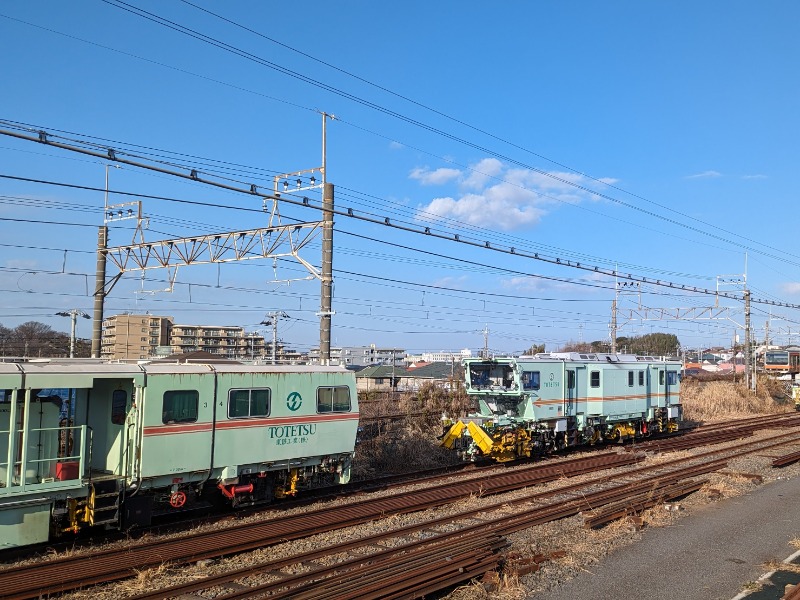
(69, 573)
(77, 571)
(506, 525)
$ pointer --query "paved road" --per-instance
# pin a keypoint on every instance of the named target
(708, 555)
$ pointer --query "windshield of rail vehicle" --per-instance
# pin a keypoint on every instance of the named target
(487, 376)
(776, 358)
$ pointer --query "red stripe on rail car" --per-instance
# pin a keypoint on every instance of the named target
(598, 399)
(245, 423)
(177, 428)
(267, 422)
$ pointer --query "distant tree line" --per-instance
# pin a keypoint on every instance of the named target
(653, 344)
(37, 340)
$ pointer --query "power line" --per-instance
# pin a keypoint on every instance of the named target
(417, 230)
(294, 74)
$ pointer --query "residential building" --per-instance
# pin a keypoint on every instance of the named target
(383, 378)
(442, 356)
(133, 337)
(222, 340)
(141, 337)
(361, 356)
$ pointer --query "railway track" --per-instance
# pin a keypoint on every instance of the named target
(69, 573)
(601, 500)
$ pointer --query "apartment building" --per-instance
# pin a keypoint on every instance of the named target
(139, 337)
(361, 356)
(133, 337)
(227, 341)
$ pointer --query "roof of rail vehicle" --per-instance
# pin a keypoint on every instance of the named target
(576, 356)
(187, 368)
(71, 373)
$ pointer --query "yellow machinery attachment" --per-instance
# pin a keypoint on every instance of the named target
(502, 446)
(620, 431)
(290, 489)
(453, 434)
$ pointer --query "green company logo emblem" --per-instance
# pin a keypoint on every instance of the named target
(294, 400)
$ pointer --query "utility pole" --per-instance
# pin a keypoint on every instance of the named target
(73, 314)
(272, 319)
(99, 289)
(326, 292)
(486, 341)
(748, 374)
(614, 326)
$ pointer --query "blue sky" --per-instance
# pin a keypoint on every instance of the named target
(657, 138)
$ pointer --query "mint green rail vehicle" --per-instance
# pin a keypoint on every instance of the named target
(531, 405)
(87, 443)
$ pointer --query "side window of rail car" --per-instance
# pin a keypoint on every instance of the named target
(180, 406)
(249, 403)
(119, 402)
(530, 380)
(630, 378)
(641, 377)
(594, 379)
(570, 379)
(333, 399)
(672, 378)
(661, 378)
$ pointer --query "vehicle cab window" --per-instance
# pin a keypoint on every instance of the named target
(531, 380)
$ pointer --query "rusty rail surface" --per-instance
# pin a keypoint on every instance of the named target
(343, 576)
(72, 572)
(786, 459)
(77, 571)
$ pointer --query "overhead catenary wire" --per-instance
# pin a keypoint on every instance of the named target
(295, 74)
(209, 39)
(386, 222)
(195, 177)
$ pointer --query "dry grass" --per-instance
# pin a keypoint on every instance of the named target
(711, 400)
(775, 565)
(399, 450)
(657, 516)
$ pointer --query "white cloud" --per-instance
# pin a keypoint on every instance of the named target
(483, 210)
(395, 145)
(451, 282)
(22, 263)
(481, 172)
(437, 177)
(506, 199)
(524, 284)
(791, 287)
(705, 175)
(754, 176)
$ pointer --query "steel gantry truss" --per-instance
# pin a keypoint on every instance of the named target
(230, 246)
(696, 313)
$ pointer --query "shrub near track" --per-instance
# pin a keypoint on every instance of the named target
(393, 445)
(713, 400)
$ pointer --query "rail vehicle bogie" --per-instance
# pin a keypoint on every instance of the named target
(86, 443)
(533, 405)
